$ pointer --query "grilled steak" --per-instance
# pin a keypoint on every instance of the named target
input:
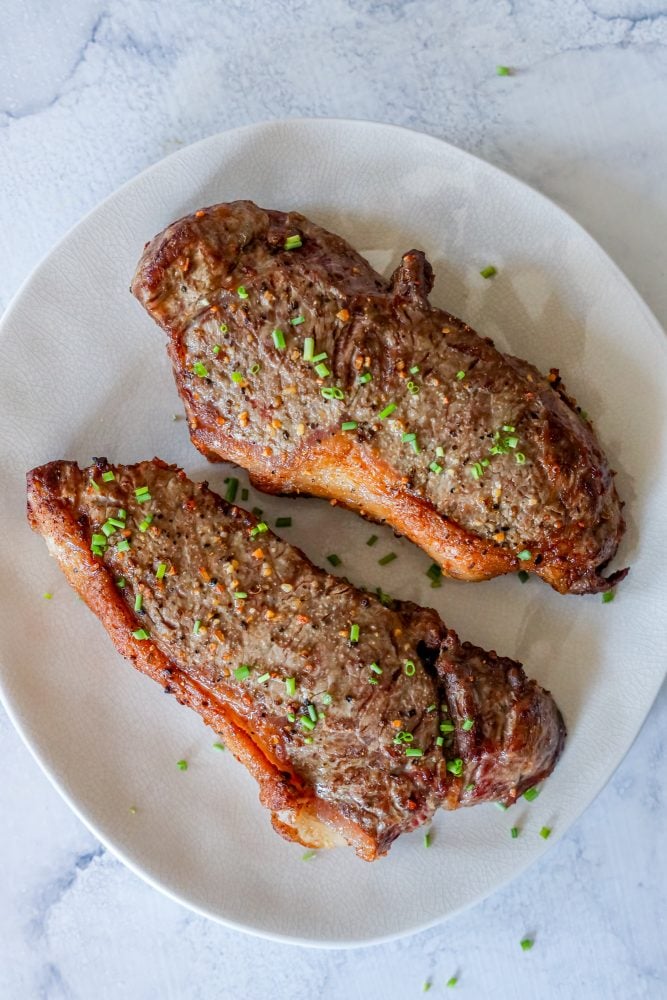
(297, 361)
(357, 720)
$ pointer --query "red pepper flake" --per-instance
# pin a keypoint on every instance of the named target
(412, 804)
(205, 575)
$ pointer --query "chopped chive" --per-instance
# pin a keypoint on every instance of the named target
(326, 698)
(161, 570)
(244, 494)
(452, 981)
(283, 522)
(527, 944)
(308, 349)
(47, 596)
(608, 596)
(232, 487)
(349, 425)
(434, 572)
(476, 471)
(354, 633)
(440, 451)
(439, 741)
(410, 668)
(365, 378)
(241, 292)
(297, 320)
(322, 370)
(216, 349)
(145, 524)
(434, 467)
(108, 477)
(240, 595)
(308, 739)
(257, 511)
(414, 369)
(291, 718)
(218, 746)
(200, 369)
(375, 668)
(427, 839)
(312, 712)
(524, 555)
(255, 368)
(259, 528)
(519, 457)
(140, 633)
(139, 490)
(413, 752)
(263, 679)
(385, 560)
(503, 71)
(408, 437)
(388, 410)
(460, 375)
(334, 559)
(95, 485)
(514, 832)
(118, 523)
(523, 576)
(120, 582)
(372, 540)
(467, 725)
(293, 242)
(108, 529)
(122, 513)
(447, 727)
(123, 546)
(427, 986)
(279, 339)
(307, 722)
(182, 765)
(290, 686)
(488, 272)
(322, 356)
(237, 377)
(531, 794)
(512, 441)
(455, 766)
(242, 672)
(545, 832)
(138, 601)
(223, 328)
(196, 627)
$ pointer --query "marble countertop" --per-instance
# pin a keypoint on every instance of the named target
(94, 93)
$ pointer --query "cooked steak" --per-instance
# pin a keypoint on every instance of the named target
(358, 720)
(297, 361)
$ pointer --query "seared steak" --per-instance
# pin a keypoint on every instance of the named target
(358, 720)
(297, 361)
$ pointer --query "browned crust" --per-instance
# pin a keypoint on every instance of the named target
(296, 811)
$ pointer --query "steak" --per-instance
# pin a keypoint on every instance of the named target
(357, 719)
(296, 360)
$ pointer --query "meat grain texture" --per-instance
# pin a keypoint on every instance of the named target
(296, 360)
(352, 738)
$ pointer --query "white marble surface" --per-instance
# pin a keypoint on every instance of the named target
(91, 93)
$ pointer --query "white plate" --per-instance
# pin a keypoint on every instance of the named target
(85, 373)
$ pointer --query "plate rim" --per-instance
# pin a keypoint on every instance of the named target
(48, 768)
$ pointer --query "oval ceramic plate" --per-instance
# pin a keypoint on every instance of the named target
(85, 373)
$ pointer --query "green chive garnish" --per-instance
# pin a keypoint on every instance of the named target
(108, 477)
(308, 349)
(240, 595)
(138, 601)
(290, 686)
(322, 370)
(144, 526)
(237, 377)
(95, 485)
(322, 356)
(503, 71)
(334, 559)
(375, 668)
(308, 855)
(439, 741)
(196, 627)
(372, 540)
(410, 668)
(455, 766)
(452, 981)
(279, 339)
(388, 410)
(460, 375)
(298, 320)
(293, 242)
(524, 555)
(120, 582)
(257, 511)
(427, 839)
(123, 546)
(283, 522)
(527, 944)
(467, 725)
(263, 679)
(232, 487)
(307, 722)
(244, 494)
(223, 328)
(200, 369)
(434, 572)
(514, 832)
(434, 467)
(242, 672)
(47, 596)
(140, 633)
(440, 451)
(349, 425)
(488, 272)
(241, 292)
(413, 752)
(608, 596)
(354, 633)
(182, 765)
(519, 457)
(312, 712)
(326, 698)
(216, 349)
(447, 727)
(259, 528)
(530, 794)
(414, 369)
(365, 378)
(218, 746)
(385, 560)
(545, 832)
